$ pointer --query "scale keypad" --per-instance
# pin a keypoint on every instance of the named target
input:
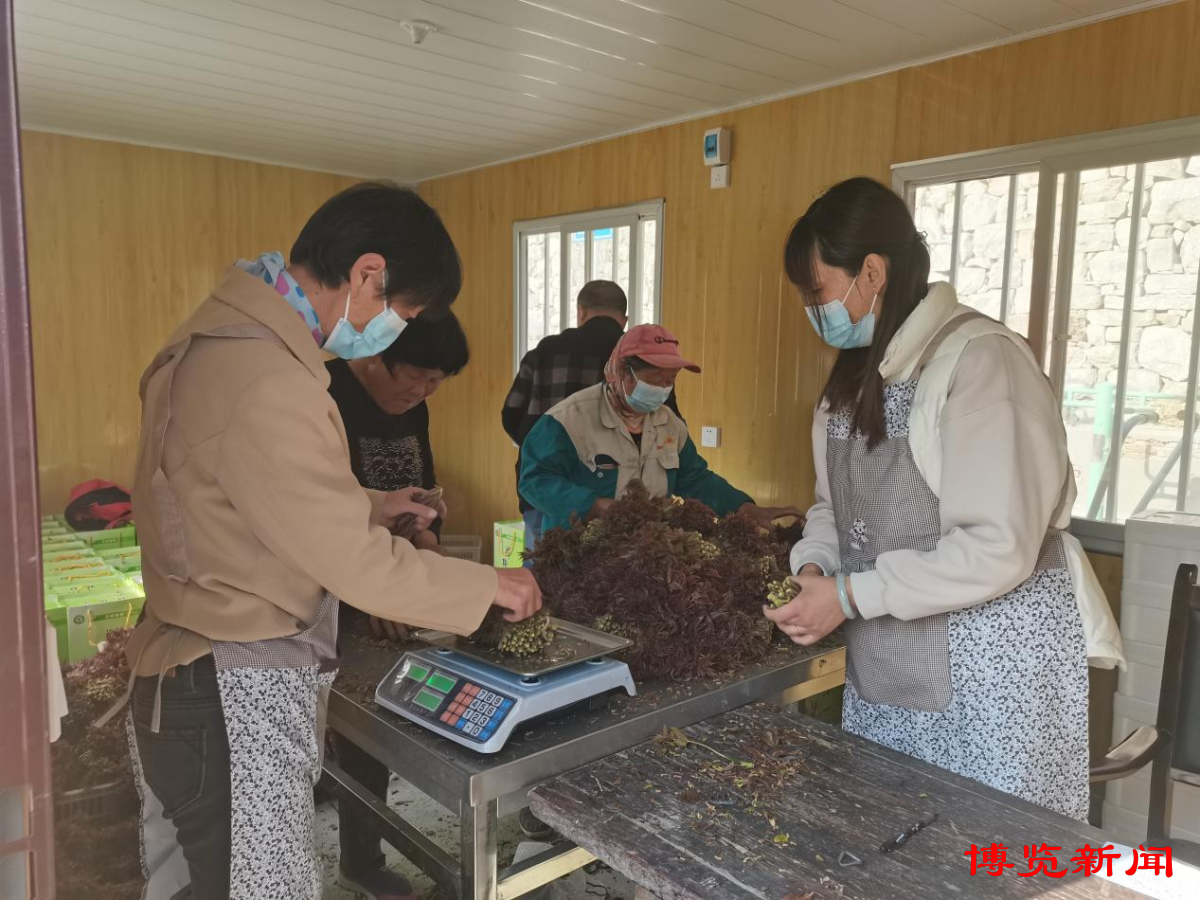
(460, 705)
(476, 711)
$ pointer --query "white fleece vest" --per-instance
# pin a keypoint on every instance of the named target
(936, 370)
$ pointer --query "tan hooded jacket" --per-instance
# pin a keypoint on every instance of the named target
(244, 498)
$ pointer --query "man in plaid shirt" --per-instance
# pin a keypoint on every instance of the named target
(562, 365)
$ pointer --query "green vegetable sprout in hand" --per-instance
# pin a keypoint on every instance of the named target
(782, 592)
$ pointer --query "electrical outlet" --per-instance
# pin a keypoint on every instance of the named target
(718, 177)
(710, 436)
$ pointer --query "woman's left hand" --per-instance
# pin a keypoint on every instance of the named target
(766, 516)
(814, 613)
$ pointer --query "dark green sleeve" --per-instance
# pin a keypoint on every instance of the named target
(696, 481)
(549, 471)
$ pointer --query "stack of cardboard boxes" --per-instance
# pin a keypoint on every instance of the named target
(92, 583)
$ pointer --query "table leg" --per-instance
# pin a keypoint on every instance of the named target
(478, 854)
(431, 859)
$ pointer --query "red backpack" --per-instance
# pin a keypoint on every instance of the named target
(98, 505)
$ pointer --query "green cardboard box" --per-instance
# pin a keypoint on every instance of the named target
(56, 614)
(119, 586)
(68, 554)
(109, 539)
(73, 570)
(123, 559)
(65, 541)
(90, 619)
(508, 544)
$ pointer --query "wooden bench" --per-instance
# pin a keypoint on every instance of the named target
(693, 821)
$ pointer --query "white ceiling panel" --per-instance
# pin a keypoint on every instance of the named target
(1025, 15)
(803, 55)
(281, 89)
(936, 20)
(340, 85)
(571, 36)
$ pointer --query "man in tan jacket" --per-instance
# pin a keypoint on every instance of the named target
(253, 524)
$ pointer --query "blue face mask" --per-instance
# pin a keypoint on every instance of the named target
(836, 329)
(646, 398)
(381, 332)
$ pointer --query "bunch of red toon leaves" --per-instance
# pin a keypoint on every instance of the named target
(97, 859)
(689, 589)
(86, 756)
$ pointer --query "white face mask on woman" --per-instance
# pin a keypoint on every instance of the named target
(379, 334)
(646, 398)
(836, 329)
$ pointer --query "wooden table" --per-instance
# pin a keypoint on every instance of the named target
(675, 820)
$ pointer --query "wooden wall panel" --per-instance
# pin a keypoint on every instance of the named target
(723, 289)
(723, 286)
(123, 242)
(1128, 71)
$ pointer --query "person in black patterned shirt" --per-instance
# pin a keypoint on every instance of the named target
(564, 364)
(382, 403)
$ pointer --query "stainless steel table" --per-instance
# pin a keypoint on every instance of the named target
(472, 784)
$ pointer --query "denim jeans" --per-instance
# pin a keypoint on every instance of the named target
(186, 766)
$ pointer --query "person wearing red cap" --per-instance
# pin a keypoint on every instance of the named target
(586, 450)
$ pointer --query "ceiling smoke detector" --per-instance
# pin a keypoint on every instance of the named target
(418, 29)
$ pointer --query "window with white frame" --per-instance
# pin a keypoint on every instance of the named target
(556, 257)
(1090, 248)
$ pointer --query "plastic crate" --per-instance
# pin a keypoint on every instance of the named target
(105, 801)
(463, 546)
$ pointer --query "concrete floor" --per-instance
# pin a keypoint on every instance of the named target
(442, 827)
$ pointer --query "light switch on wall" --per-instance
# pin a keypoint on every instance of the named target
(710, 436)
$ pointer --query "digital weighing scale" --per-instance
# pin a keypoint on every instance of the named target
(477, 697)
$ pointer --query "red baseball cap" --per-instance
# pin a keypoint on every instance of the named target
(655, 345)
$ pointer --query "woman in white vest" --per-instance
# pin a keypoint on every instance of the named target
(936, 539)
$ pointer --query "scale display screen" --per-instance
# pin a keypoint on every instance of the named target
(429, 700)
(440, 682)
(417, 673)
